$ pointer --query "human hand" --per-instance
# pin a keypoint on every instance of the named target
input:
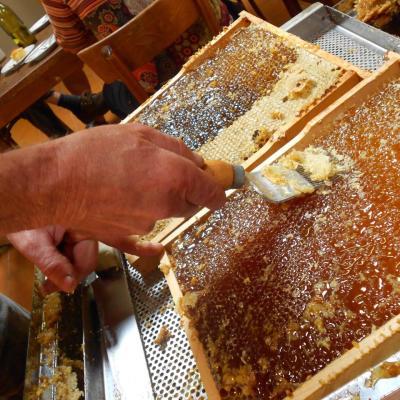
(104, 184)
(66, 258)
(120, 179)
(63, 268)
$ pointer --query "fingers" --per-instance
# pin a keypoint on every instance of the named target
(39, 247)
(83, 257)
(202, 190)
(132, 245)
(190, 211)
(64, 271)
(171, 144)
(148, 249)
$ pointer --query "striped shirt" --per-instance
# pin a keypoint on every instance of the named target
(78, 23)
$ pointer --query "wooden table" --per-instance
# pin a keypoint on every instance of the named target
(23, 87)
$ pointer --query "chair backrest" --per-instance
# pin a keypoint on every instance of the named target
(143, 37)
(251, 7)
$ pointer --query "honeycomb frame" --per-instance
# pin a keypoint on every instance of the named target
(351, 76)
(370, 351)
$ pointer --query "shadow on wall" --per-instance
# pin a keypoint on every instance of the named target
(28, 10)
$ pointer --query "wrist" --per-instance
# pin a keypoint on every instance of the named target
(25, 188)
(66, 184)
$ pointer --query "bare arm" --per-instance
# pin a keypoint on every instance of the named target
(104, 184)
(117, 179)
(28, 192)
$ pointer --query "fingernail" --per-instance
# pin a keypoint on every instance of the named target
(69, 284)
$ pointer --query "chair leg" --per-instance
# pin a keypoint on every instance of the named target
(6, 140)
(124, 72)
(292, 6)
(209, 16)
(42, 117)
(77, 82)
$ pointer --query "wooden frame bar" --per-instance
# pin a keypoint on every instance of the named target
(373, 349)
(351, 77)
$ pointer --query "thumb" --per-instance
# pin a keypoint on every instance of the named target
(38, 247)
(84, 255)
(56, 267)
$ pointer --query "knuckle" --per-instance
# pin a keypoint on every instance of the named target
(167, 209)
(140, 138)
(181, 146)
(145, 227)
(184, 150)
(136, 127)
(28, 247)
(50, 267)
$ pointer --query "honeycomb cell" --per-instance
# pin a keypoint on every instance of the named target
(204, 101)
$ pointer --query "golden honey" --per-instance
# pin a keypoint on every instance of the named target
(277, 292)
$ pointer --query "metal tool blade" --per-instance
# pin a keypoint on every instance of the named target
(274, 192)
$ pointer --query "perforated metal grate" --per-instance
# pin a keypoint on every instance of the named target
(343, 46)
(172, 367)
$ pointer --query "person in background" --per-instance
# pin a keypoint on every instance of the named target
(57, 199)
(79, 23)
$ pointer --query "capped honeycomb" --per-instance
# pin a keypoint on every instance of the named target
(257, 82)
(277, 292)
(243, 96)
(205, 101)
(377, 12)
(300, 85)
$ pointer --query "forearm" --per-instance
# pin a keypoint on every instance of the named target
(29, 181)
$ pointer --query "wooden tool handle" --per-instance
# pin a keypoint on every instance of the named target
(221, 171)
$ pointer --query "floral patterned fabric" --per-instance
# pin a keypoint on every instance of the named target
(112, 14)
(171, 60)
(196, 36)
(107, 18)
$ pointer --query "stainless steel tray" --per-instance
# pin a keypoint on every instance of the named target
(362, 45)
(172, 369)
(43, 360)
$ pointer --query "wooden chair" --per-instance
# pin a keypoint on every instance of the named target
(143, 37)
